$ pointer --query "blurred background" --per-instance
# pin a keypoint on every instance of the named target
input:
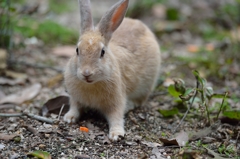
(194, 35)
(37, 37)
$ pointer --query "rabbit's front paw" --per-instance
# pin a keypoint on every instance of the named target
(116, 133)
(71, 116)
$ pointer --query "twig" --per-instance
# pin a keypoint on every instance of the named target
(39, 66)
(37, 117)
(11, 115)
(31, 129)
(61, 111)
(208, 114)
(7, 106)
(237, 138)
(205, 104)
(226, 94)
(157, 94)
(40, 118)
(196, 92)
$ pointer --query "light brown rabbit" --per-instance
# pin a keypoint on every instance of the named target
(116, 62)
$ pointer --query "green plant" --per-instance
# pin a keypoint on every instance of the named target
(199, 143)
(163, 134)
(229, 150)
(60, 6)
(201, 94)
(102, 155)
(48, 31)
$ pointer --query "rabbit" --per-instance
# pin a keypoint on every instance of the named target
(116, 62)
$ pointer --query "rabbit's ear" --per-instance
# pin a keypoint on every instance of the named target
(86, 16)
(112, 19)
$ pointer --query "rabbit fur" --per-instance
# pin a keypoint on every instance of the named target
(117, 62)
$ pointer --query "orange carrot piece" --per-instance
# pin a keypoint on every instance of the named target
(84, 129)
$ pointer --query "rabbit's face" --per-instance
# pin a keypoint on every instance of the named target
(92, 55)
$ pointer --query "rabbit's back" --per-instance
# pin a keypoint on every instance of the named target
(138, 55)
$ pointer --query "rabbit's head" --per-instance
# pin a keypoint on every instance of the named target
(92, 53)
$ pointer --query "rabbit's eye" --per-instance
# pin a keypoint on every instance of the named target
(102, 52)
(77, 51)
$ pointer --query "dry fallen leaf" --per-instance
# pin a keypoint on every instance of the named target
(54, 105)
(168, 142)
(180, 139)
(40, 154)
(15, 75)
(7, 137)
(151, 144)
(216, 155)
(156, 153)
(204, 132)
(11, 82)
(22, 96)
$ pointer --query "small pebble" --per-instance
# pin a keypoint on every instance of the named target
(42, 146)
(141, 116)
(47, 126)
(82, 157)
(1, 146)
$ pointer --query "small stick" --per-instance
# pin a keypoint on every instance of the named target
(61, 111)
(237, 138)
(40, 118)
(11, 115)
(31, 129)
(226, 94)
(37, 117)
(7, 106)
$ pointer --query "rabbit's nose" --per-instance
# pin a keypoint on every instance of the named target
(86, 73)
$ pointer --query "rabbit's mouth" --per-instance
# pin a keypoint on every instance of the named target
(88, 80)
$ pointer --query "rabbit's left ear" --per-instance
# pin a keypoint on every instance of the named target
(112, 19)
(86, 16)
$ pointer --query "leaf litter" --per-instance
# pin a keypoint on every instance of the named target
(11, 82)
(216, 155)
(7, 137)
(55, 105)
(204, 132)
(180, 139)
(22, 96)
(40, 154)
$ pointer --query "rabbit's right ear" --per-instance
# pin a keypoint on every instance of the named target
(86, 16)
(112, 19)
